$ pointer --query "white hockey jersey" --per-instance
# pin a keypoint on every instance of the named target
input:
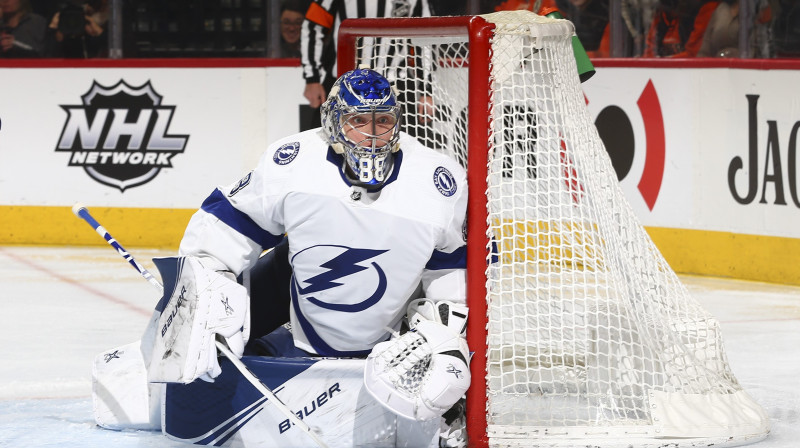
(358, 256)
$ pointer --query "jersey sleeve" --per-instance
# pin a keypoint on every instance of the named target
(454, 235)
(446, 283)
(238, 221)
(444, 277)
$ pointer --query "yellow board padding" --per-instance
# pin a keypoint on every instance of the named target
(132, 227)
(700, 252)
(735, 255)
(566, 243)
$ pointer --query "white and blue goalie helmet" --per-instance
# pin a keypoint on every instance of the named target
(361, 120)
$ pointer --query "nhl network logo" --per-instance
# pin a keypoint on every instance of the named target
(119, 135)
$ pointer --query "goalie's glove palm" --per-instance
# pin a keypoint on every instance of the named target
(420, 374)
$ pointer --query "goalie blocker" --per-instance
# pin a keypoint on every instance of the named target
(200, 301)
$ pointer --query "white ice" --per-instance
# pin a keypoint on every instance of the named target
(62, 306)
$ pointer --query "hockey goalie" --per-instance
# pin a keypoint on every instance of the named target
(355, 317)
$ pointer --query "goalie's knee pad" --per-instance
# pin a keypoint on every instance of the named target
(421, 374)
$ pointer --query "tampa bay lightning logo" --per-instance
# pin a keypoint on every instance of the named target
(286, 153)
(342, 262)
(444, 181)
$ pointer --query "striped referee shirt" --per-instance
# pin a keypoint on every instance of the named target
(324, 17)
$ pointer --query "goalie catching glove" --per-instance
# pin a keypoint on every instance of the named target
(201, 301)
(424, 372)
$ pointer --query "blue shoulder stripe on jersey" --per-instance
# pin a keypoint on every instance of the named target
(218, 205)
(443, 260)
(338, 160)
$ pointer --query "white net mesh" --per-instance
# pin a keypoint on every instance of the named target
(590, 332)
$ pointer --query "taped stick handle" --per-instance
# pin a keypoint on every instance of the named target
(82, 212)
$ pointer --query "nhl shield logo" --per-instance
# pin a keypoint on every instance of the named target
(120, 134)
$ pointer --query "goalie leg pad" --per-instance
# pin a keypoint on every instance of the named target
(421, 374)
(121, 395)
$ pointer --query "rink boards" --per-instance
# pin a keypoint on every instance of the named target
(709, 150)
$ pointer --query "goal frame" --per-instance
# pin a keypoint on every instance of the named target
(628, 358)
(479, 145)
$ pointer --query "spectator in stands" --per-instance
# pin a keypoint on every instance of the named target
(786, 29)
(77, 30)
(721, 38)
(46, 8)
(590, 18)
(678, 27)
(761, 32)
(292, 15)
(318, 43)
(516, 5)
(22, 32)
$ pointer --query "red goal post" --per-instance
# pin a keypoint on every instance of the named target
(478, 29)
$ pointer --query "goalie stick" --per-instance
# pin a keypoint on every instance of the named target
(82, 212)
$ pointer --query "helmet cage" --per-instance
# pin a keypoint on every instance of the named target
(361, 119)
(368, 138)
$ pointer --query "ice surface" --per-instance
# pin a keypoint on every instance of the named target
(62, 306)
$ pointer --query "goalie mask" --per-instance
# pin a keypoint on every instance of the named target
(361, 120)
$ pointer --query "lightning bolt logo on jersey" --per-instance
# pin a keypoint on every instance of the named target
(350, 281)
(343, 267)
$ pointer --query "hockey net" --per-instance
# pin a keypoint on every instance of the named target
(589, 337)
